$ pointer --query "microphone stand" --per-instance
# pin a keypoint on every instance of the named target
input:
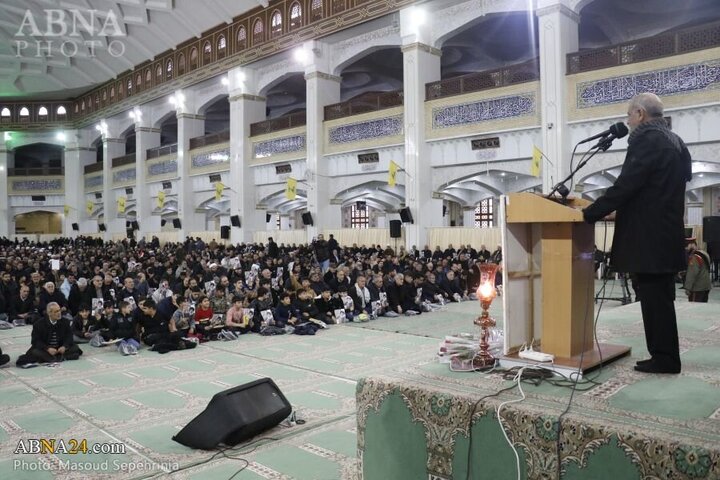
(602, 145)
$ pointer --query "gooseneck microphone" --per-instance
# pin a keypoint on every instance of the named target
(617, 130)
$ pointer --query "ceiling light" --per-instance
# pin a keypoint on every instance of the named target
(225, 81)
(8, 136)
(700, 175)
(418, 16)
(131, 114)
(301, 55)
(172, 100)
(60, 136)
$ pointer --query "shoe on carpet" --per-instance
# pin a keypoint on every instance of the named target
(4, 358)
(644, 362)
(653, 367)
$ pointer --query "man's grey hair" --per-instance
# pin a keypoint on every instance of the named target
(52, 304)
(649, 102)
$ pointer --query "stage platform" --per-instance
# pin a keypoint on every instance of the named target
(142, 401)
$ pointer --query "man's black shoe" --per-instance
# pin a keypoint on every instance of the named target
(4, 359)
(644, 362)
(655, 368)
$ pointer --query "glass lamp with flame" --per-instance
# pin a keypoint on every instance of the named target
(486, 292)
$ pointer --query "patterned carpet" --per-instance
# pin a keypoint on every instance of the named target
(143, 400)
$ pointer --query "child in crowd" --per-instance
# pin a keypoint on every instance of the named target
(285, 312)
(84, 326)
(124, 327)
(235, 319)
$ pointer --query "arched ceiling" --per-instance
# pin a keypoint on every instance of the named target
(38, 155)
(607, 22)
(145, 28)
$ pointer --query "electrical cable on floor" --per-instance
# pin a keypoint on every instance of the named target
(222, 452)
(470, 423)
(517, 378)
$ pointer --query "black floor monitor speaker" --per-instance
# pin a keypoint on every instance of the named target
(101, 227)
(236, 415)
(307, 218)
(711, 229)
(76, 227)
(225, 232)
(235, 220)
(395, 226)
(177, 223)
(405, 215)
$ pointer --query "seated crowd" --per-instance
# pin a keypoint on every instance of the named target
(175, 296)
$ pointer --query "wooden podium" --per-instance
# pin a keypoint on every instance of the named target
(548, 281)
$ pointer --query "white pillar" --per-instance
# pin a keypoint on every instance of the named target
(4, 199)
(145, 137)
(285, 222)
(558, 31)
(112, 147)
(322, 89)
(246, 107)
(421, 65)
(190, 125)
(78, 154)
(694, 213)
(382, 220)
(469, 217)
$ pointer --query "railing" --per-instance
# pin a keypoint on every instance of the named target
(474, 82)
(280, 123)
(673, 43)
(124, 160)
(160, 151)
(35, 171)
(210, 139)
(93, 167)
(367, 102)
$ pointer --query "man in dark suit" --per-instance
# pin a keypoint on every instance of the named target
(649, 200)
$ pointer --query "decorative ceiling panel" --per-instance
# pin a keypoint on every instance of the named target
(60, 48)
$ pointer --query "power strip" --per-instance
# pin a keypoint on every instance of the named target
(536, 356)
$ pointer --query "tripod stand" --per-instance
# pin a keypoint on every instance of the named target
(625, 297)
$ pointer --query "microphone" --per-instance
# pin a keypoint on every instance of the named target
(617, 130)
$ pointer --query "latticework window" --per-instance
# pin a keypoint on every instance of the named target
(207, 53)
(221, 46)
(316, 10)
(295, 16)
(484, 217)
(258, 32)
(275, 24)
(359, 217)
(241, 38)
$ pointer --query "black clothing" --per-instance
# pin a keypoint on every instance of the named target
(123, 327)
(46, 298)
(657, 294)
(649, 198)
(273, 250)
(44, 334)
(80, 328)
(19, 306)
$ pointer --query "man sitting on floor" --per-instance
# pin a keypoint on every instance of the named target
(52, 339)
